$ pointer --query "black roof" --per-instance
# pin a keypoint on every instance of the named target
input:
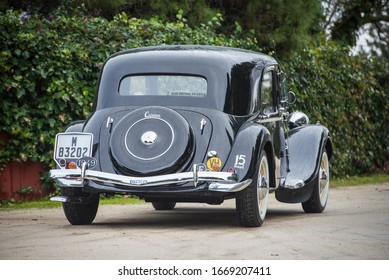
(228, 70)
(231, 55)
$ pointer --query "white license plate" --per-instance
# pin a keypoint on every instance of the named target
(72, 146)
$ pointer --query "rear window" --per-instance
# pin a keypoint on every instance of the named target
(163, 85)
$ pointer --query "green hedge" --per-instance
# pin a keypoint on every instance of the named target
(49, 69)
(348, 94)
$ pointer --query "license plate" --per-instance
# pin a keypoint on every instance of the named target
(72, 146)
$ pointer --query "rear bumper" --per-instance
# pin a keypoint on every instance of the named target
(217, 181)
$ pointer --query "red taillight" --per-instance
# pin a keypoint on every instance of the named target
(71, 165)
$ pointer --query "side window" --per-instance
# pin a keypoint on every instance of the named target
(267, 92)
(284, 87)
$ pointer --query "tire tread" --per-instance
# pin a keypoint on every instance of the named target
(80, 213)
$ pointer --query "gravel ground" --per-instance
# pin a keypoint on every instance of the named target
(355, 225)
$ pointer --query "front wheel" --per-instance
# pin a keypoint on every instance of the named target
(318, 200)
(251, 203)
(82, 212)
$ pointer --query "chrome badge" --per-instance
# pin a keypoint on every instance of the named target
(149, 137)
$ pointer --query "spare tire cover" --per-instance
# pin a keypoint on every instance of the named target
(151, 140)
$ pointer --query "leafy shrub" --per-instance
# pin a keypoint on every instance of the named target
(49, 70)
(347, 94)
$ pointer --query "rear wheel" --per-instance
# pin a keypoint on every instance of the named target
(318, 200)
(82, 212)
(251, 203)
(163, 205)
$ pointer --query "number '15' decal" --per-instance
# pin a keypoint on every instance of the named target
(240, 161)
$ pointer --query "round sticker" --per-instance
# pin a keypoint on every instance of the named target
(214, 164)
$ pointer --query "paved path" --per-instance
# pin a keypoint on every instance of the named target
(355, 225)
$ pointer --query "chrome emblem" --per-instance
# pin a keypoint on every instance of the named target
(149, 137)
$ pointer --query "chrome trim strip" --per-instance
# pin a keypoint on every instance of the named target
(228, 187)
(219, 181)
(60, 199)
(272, 119)
(109, 121)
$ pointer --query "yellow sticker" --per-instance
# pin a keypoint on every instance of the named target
(214, 164)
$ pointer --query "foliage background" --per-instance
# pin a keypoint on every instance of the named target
(49, 68)
(348, 94)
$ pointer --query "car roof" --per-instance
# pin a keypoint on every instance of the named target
(207, 54)
(229, 71)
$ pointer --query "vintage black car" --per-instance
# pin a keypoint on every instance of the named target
(193, 124)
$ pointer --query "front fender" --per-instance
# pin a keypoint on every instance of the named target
(249, 141)
(306, 145)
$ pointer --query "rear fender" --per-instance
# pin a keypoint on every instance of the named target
(76, 126)
(246, 149)
(306, 145)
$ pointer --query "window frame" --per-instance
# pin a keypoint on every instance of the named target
(152, 84)
(272, 69)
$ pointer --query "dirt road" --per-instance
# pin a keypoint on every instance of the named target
(355, 225)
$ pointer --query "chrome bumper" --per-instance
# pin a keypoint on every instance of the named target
(218, 181)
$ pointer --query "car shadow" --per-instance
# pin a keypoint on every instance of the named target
(189, 217)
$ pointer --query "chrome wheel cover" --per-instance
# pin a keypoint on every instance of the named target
(263, 187)
(324, 179)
